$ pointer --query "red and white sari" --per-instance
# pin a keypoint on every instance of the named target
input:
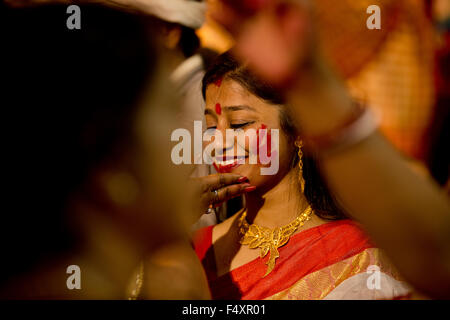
(331, 261)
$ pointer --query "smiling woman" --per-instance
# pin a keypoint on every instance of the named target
(286, 216)
(249, 103)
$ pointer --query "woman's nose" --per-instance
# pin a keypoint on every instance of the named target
(224, 143)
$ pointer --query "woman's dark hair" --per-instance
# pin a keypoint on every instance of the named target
(68, 101)
(316, 191)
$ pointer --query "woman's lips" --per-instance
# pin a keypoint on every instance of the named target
(224, 166)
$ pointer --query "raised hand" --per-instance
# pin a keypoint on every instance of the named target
(215, 189)
(274, 36)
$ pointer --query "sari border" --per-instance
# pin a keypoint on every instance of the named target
(319, 284)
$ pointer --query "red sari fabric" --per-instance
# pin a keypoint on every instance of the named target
(305, 253)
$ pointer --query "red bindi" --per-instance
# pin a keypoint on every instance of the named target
(218, 109)
(218, 82)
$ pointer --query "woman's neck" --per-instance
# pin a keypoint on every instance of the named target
(279, 205)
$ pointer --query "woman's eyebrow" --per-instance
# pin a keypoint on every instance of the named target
(210, 112)
(230, 108)
(238, 107)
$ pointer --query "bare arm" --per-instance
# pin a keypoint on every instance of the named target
(407, 214)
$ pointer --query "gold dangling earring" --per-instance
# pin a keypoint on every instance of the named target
(299, 145)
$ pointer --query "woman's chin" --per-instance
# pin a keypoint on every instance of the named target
(251, 171)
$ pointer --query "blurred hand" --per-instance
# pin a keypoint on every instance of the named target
(274, 36)
(227, 185)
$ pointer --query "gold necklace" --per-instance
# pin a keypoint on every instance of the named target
(267, 239)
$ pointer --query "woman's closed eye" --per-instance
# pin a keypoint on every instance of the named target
(240, 125)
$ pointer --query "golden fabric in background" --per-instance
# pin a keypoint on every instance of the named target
(344, 36)
(398, 83)
(391, 69)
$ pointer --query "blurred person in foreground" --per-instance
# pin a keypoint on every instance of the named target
(404, 213)
(90, 179)
(173, 24)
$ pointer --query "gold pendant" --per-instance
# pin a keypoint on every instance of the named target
(268, 240)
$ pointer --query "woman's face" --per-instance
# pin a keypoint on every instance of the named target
(230, 106)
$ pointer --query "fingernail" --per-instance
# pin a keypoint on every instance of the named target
(246, 185)
(242, 179)
(249, 189)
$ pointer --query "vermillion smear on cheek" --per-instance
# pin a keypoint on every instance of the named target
(218, 109)
(260, 142)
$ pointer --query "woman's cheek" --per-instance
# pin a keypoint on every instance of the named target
(257, 142)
